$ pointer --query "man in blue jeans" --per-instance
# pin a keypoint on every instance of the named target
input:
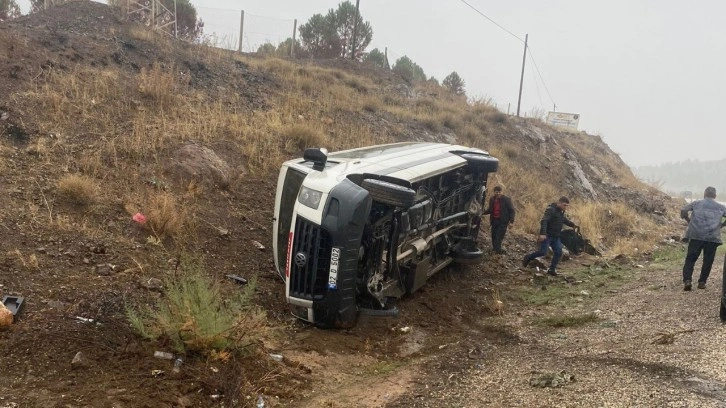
(549, 233)
(705, 220)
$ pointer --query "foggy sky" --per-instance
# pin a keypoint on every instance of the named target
(645, 75)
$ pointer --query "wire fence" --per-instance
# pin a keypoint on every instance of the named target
(222, 27)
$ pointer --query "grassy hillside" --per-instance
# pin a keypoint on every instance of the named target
(103, 119)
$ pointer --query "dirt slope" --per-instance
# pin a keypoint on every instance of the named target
(78, 267)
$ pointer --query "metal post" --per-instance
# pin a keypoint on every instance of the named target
(292, 45)
(521, 78)
(241, 29)
(388, 66)
(176, 31)
(355, 29)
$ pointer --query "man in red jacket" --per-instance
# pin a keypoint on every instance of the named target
(501, 217)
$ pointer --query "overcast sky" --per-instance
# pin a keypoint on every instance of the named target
(645, 75)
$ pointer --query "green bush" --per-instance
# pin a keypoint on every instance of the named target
(196, 318)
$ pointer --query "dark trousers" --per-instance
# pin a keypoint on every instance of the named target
(695, 247)
(499, 230)
(556, 245)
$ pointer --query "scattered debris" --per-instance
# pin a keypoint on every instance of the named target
(276, 357)
(157, 373)
(177, 365)
(13, 304)
(669, 338)
(79, 361)
(164, 355)
(238, 279)
(84, 319)
(258, 245)
(404, 330)
(154, 285)
(104, 269)
(139, 218)
(552, 379)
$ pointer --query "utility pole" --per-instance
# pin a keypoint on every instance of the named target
(292, 46)
(521, 78)
(355, 29)
(388, 66)
(176, 30)
(554, 107)
(241, 29)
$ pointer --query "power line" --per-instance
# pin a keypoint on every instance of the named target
(540, 76)
(494, 22)
(531, 56)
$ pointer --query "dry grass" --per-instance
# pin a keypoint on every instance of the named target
(159, 85)
(166, 217)
(616, 227)
(78, 189)
(138, 120)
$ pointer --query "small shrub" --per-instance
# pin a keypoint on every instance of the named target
(165, 217)
(391, 100)
(78, 189)
(497, 117)
(451, 121)
(431, 124)
(569, 321)
(427, 105)
(196, 318)
(302, 136)
(157, 85)
(356, 84)
(371, 104)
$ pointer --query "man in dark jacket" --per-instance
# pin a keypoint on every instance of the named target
(704, 234)
(501, 217)
(549, 233)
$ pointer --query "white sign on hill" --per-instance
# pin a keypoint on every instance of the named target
(563, 120)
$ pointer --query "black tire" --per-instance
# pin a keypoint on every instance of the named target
(468, 257)
(481, 163)
(389, 193)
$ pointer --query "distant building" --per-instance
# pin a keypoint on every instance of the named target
(563, 120)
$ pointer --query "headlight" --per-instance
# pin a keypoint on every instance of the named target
(309, 197)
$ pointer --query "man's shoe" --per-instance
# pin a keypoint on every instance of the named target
(701, 285)
(525, 261)
(687, 286)
(552, 273)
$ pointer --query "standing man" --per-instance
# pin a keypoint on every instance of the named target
(549, 233)
(704, 234)
(501, 217)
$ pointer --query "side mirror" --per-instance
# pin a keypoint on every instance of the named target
(319, 156)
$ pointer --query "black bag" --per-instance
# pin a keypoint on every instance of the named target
(573, 241)
(576, 243)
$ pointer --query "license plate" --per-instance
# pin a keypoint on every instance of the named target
(334, 262)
